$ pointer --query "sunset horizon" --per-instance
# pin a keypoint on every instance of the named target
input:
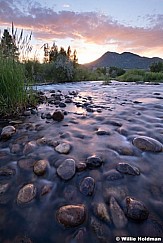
(91, 28)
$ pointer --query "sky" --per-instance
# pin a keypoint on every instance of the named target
(92, 27)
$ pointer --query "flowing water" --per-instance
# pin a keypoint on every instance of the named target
(123, 111)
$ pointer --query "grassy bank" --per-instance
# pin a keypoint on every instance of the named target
(140, 75)
(13, 89)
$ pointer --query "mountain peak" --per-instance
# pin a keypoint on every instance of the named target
(125, 60)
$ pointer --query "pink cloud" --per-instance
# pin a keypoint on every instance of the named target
(91, 27)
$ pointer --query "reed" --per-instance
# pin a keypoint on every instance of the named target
(13, 90)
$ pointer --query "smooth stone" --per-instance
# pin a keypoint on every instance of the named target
(48, 116)
(5, 171)
(41, 141)
(93, 162)
(101, 230)
(8, 132)
(15, 148)
(100, 210)
(81, 166)
(67, 169)
(118, 217)
(113, 175)
(4, 188)
(89, 109)
(26, 164)
(58, 116)
(147, 144)
(29, 147)
(87, 186)
(63, 148)
(79, 236)
(68, 100)
(46, 189)
(71, 215)
(62, 104)
(40, 167)
(26, 194)
(128, 169)
(135, 209)
(102, 132)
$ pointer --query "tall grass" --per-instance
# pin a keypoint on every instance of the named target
(13, 91)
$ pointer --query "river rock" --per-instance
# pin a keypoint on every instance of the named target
(68, 100)
(26, 194)
(46, 189)
(62, 104)
(63, 148)
(71, 215)
(101, 132)
(4, 188)
(40, 167)
(100, 210)
(135, 209)
(147, 144)
(67, 169)
(94, 162)
(7, 132)
(29, 147)
(26, 163)
(102, 231)
(81, 166)
(87, 186)
(6, 171)
(118, 217)
(125, 168)
(58, 116)
(15, 148)
(113, 175)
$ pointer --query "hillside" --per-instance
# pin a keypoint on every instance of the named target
(126, 60)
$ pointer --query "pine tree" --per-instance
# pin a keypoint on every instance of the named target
(8, 46)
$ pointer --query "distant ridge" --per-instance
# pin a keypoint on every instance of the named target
(125, 60)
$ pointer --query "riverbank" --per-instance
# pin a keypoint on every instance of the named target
(89, 173)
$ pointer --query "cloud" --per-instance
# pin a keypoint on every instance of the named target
(66, 5)
(90, 27)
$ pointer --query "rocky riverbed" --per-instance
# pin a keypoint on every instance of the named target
(85, 166)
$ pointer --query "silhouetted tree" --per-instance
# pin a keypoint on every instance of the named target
(8, 46)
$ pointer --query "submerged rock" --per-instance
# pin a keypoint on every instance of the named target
(7, 132)
(102, 231)
(67, 169)
(127, 169)
(4, 188)
(147, 144)
(58, 116)
(118, 217)
(113, 175)
(94, 162)
(26, 194)
(135, 209)
(100, 210)
(71, 215)
(63, 148)
(87, 186)
(40, 167)
(6, 171)
(29, 147)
